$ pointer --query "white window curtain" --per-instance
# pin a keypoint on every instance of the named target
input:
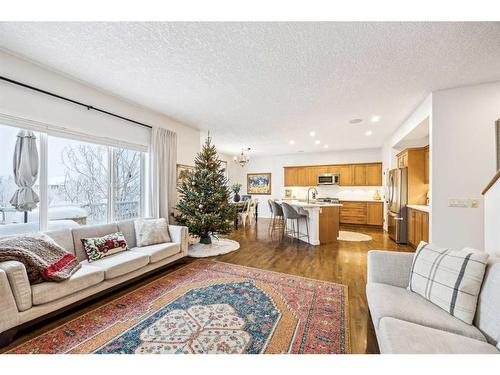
(163, 164)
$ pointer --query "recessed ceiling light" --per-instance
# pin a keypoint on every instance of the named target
(312, 134)
(355, 121)
(317, 141)
(325, 146)
(375, 119)
(292, 142)
(368, 133)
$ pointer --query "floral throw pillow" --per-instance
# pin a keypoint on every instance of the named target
(100, 247)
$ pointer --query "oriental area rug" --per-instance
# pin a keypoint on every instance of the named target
(210, 307)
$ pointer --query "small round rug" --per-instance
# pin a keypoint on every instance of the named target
(353, 236)
(217, 247)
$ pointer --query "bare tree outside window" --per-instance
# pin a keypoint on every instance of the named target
(84, 181)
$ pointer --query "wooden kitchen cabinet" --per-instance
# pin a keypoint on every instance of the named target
(359, 174)
(290, 176)
(367, 174)
(364, 213)
(403, 159)
(418, 226)
(345, 173)
(374, 174)
(375, 213)
(353, 212)
(302, 176)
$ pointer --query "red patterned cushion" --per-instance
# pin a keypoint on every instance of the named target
(100, 247)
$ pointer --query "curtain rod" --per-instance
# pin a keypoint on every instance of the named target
(89, 107)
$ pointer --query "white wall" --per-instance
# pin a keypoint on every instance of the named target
(463, 160)
(21, 102)
(492, 220)
(274, 165)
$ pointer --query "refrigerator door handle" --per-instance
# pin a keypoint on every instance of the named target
(399, 218)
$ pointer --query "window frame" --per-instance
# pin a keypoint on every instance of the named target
(45, 130)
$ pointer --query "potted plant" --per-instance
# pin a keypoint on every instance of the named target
(235, 188)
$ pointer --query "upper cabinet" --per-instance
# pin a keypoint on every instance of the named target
(368, 174)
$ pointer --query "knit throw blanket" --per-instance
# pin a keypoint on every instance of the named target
(44, 259)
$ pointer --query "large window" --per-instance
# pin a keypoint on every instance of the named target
(82, 183)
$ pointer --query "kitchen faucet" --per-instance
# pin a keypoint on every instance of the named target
(315, 192)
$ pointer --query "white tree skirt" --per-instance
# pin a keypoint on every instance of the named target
(217, 247)
(353, 236)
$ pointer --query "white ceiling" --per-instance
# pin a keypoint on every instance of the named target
(261, 85)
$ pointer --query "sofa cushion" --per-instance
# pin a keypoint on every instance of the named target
(63, 238)
(87, 231)
(488, 306)
(100, 247)
(120, 264)
(19, 283)
(151, 231)
(451, 279)
(159, 251)
(128, 230)
(400, 337)
(391, 301)
(85, 277)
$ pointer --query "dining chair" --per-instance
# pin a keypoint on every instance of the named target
(247, 213)
(292, 215)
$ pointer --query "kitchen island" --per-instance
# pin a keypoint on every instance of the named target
(323, 221)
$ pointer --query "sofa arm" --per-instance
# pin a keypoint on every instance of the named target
(389, 267)
(179, 234)
(9, 316)
(19, 283)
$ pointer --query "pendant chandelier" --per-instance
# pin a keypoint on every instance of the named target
(243, 158)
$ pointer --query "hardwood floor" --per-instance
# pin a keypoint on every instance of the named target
(342, 262)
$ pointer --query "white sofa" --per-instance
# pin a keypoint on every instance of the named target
(22, 303)
(406, 323)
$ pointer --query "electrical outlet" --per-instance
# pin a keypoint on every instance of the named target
(456, 202)
(474, 203)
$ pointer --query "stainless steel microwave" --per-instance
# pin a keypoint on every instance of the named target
(328, 179)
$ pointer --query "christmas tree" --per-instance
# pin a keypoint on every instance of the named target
(204, 205)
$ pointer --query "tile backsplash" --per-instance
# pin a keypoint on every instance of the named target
(341, 192)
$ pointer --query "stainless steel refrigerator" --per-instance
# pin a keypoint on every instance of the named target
(397, 199)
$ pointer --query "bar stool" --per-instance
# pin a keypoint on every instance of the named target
(295, 216)
(270, 205)
(278, 218)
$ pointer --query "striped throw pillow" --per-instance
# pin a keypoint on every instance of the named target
(448, 278)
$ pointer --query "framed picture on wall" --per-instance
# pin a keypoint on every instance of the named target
(183, 172)
(258, 183)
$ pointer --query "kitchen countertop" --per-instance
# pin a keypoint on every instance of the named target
(418, 207)
(312, 204)
(361, 200)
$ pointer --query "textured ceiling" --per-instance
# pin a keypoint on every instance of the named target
(261, 85)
